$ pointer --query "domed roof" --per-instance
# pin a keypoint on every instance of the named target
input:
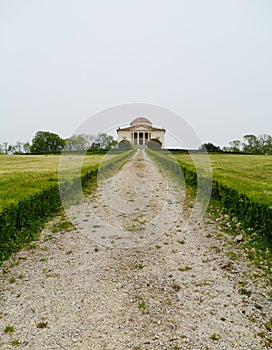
(141, 120)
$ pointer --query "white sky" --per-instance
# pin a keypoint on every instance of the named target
(62, 61)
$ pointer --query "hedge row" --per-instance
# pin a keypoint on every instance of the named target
(249, 212)
(183, 174)
(21, 222)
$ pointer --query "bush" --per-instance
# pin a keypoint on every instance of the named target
(154, 144)
(125, 144)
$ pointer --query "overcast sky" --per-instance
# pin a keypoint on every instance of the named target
(62, 61)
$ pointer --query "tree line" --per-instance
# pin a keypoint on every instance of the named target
(251, 144)
(48, 142)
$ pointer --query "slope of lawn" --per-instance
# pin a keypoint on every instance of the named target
(248, 174)
(23, 175)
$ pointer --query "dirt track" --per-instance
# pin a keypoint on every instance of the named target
(128, 276)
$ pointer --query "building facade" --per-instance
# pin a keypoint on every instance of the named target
(140, 132)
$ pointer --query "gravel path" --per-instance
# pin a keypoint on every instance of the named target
(128, 276)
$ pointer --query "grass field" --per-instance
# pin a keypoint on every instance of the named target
(23, 175)
(30, 190)
(248, 174)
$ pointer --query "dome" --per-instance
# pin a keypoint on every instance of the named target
(141, 120)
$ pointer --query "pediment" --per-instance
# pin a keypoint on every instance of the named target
(142, 127)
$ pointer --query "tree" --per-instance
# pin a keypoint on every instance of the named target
(251, 144)
(265, 144)
(209, 147)
(89, 138)
(154, 144)
(18, 148)
(26, 147)
(5, 147)
(11, 149)
(234, 146)
(76, 143)
(105, 141)
(95, 146)
(46, 142)
(125, 144)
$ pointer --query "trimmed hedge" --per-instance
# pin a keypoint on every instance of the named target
(250, 213)
(22, 221)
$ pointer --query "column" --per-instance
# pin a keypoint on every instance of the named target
(135, 138)
(145, 138)
(141, 139)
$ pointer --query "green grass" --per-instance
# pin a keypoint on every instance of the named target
(133, 228)
(62, 225)
(15, 342)
(185, 268)
(214, 337)
(138, 266)
(42, 325)
(142, 305)
(24, 175)
(246, 292)
(9, 329)
(248, 174)
(12, 279)
(269, 325)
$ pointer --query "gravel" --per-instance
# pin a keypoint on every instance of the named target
(130, 276)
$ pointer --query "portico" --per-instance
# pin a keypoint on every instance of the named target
(140, 138)
(140, 132)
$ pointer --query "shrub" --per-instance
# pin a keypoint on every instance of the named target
(125, 144)
(154, 144)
